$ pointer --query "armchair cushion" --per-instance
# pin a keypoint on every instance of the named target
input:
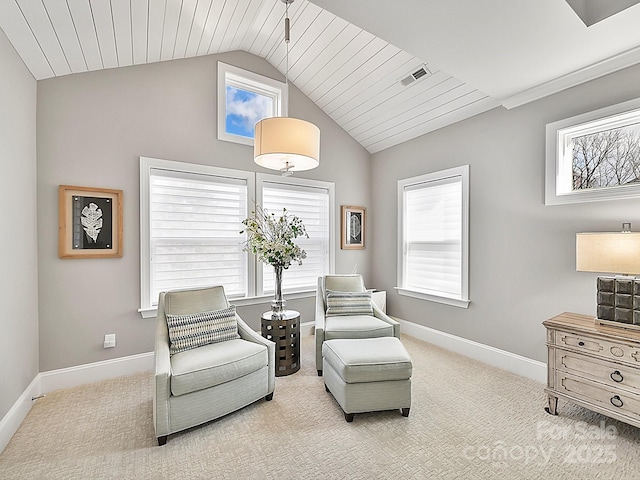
(356, 326)
(197, 329)
(214, 364)
(348, 303)
(341, 283)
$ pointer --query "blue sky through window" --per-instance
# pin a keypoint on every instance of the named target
(244, 109)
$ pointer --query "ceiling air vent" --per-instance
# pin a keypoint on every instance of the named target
(421, 72)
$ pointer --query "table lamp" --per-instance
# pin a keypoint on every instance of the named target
(618, 296)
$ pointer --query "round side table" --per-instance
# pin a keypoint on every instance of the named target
(285, 333)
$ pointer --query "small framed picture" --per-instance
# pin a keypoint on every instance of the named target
(352, 228)
(89, 222)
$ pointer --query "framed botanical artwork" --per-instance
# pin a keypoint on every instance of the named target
(352, 228)
(89, 222)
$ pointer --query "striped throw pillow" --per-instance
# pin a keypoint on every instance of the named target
(348, 303)
(198, 329)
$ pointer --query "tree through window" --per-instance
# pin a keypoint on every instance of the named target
(594, 156)
(607, 159)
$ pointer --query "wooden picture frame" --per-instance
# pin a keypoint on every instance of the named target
(352, 227)
(89, 222)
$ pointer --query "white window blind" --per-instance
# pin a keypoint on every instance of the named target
(311, 204)
(434, 236)
(195, 220)
(433, 233)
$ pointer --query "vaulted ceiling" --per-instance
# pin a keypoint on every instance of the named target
(349, 57)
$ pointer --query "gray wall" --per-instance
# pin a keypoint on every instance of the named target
(92, 128)
(18, 253)
(522, 253)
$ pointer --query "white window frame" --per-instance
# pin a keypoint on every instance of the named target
(254, 191)
(462, 300)
(559, 154)
(252, 82)
(261, 179)
(147, 307)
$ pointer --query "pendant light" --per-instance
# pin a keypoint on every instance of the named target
(283, 143)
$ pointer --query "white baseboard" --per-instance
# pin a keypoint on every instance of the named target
(307, 328)
(95, 372)
(117, 367)
(17, 413)
(46, 382)
(511, 362)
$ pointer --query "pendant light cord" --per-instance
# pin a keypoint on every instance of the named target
(287, 37)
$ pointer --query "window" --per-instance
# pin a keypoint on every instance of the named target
(312, 201)
(190, 219)
(433, 236)
(244, 98)
(594, 156)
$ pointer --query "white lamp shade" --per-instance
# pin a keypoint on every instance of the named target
(282, 142)
(608, 252)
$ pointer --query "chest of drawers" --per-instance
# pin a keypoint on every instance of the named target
(594, 366)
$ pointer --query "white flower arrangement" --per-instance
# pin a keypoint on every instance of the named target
(270, 238)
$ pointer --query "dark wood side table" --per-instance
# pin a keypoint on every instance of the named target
(285, 333)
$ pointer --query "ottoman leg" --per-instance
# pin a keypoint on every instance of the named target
(405, 412)
(348, 417)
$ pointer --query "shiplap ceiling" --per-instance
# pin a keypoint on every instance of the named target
(351, 74)
(349, 56)
(516, 51)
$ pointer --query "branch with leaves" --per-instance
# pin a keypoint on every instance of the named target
(271, 238)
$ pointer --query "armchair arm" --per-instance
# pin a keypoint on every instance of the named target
(246, 333)
(383, 316)
(162, 379)
(319, 327)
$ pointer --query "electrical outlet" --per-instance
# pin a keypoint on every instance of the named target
(110, 340)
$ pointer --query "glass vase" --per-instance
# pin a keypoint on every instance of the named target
(278, 304)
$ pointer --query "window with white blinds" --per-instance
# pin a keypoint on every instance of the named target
(433, 236)
(195, 220)
(191, 217)
(190, 222)
(311, 201)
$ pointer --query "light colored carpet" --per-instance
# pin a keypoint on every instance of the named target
(467, 421)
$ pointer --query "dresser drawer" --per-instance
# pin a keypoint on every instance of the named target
(612, 374)
(597, 346)
(596, 366)
(616, 400)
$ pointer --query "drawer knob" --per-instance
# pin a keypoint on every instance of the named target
(616, 401)
(581, 343)
(616, 376)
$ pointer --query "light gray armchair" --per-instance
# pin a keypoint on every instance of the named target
(329, 327)
(200, 384)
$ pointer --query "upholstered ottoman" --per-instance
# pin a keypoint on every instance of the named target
(368, 374)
